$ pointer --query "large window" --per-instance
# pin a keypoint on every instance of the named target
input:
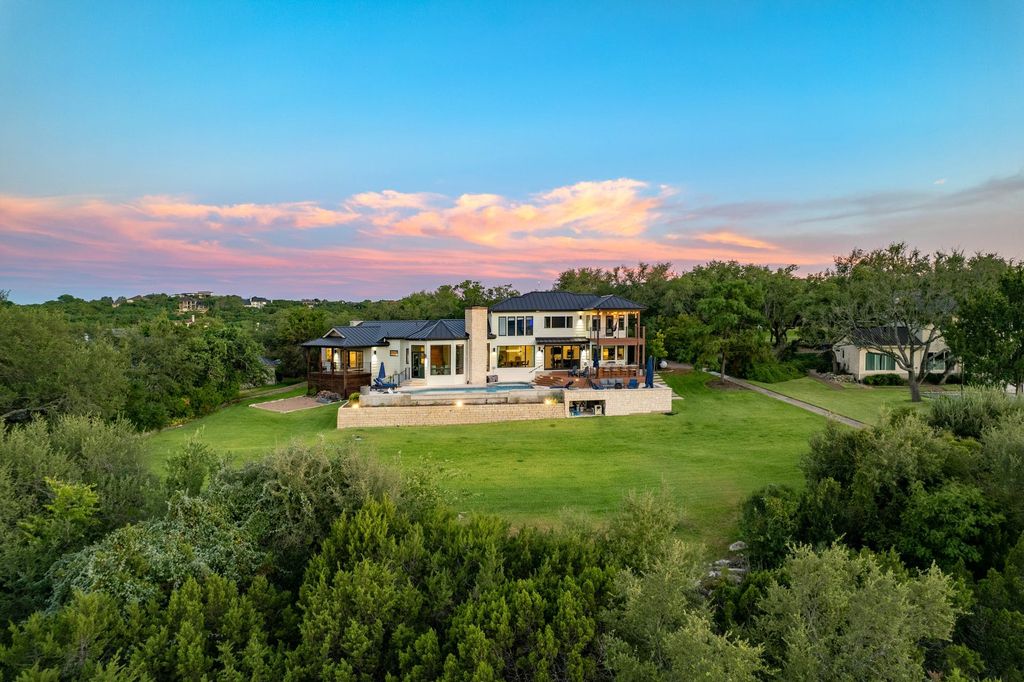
(610, 353)
(355, 359)
(515, 356)
(562, 357)
(558, 322)
(460, 359)
(440, 360)
(880, 362)
(513, 325)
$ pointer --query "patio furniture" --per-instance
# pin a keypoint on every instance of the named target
(633, 383)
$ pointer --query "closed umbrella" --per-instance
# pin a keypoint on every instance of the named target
(649, 374)
(381, 374)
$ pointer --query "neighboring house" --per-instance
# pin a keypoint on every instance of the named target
(515, 340)
(269, 373)
(191, 304)
(874, 350)
(256, 302)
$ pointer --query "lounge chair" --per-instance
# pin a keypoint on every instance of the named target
(596, 385)
(633, 383)
(383, 385)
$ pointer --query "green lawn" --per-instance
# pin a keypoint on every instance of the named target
(717, 447)
(856, 401)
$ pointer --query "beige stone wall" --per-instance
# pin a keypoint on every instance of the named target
(622, 401)
(439, 415)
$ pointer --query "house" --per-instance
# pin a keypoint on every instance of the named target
(873, 350)
(256, 302)
(517, 340)
(190, 304)
(269, 376)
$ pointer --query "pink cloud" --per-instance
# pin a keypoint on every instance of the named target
(389, 242)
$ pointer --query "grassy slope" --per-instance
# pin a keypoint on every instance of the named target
(719, 446)
(863, 403)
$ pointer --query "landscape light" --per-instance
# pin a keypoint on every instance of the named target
(458, 403)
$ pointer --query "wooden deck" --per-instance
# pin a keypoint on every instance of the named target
(341, 382)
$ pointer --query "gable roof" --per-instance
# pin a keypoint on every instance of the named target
(883, 336)
(377, 333)
(564, 300)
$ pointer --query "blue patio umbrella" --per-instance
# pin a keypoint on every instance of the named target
(649, 374)
(381, 374)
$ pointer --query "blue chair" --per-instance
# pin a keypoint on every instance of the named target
(633, 383)
(383, 385)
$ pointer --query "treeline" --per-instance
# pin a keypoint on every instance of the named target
(153, 366)
(752, 321)
(152, 374)
(316, 562)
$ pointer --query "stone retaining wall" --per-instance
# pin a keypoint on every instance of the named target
(623, 401)
(617, 402)
(438, 415)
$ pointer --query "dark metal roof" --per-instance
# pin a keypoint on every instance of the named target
(440, 330)
(563, 300)
(377, 333)
(613, 302)
(883, 336)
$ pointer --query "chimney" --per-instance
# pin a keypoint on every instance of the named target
(476, 345)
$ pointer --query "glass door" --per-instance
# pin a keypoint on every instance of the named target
(418, 362)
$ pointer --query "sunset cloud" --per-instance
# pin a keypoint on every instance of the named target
(734, 239)
(386, 243)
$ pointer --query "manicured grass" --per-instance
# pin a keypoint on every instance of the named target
(717, 447)
(856, 401)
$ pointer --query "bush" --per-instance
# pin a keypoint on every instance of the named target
(969, 413)
(768, 524)
(884, 380)
(773, 371)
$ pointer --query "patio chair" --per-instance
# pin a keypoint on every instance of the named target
(633, 383)
(383, 385)
(596, 385)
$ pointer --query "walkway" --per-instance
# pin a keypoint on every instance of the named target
(794, 402)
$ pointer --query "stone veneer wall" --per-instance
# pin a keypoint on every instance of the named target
(623, 401)
(438, 415)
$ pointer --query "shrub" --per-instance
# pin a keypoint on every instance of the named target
(768, 523)
(969, 413)
(884, 380)
(773, 371)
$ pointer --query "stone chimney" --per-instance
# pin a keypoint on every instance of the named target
(476, 345)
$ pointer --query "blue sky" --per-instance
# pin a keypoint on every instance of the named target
(758, 121)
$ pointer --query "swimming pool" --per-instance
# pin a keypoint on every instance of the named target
(490, 388)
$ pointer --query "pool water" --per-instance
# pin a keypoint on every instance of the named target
(491, 388)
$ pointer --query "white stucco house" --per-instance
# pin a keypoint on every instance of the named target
(874, 350)
(513, 341)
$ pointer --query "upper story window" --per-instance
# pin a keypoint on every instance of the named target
(558, 322)
(513, 325)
